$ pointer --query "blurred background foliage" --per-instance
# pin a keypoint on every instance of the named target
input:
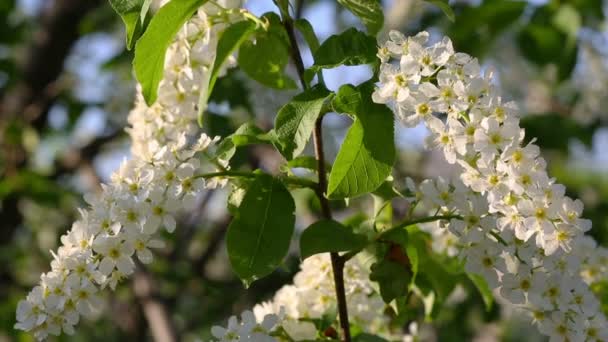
(66, 87)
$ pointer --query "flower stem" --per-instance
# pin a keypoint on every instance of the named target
(425, 220)
(296, 181)
(337, 262)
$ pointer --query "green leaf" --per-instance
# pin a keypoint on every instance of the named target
(265, 59)
(568, 20)
(133, 14)
(484, 290)
(259, 235)
(485, 23)
(283, 6)
(329, 236)
(32, 185)
(412, 255)
(351, 47)
(247, 134)
(367, 154)
(543, 127)
(383, 212)
(308, 32)
(436, 277)
(150, 49)
(369, 11)
(229, 42)
(232, 90)
(396, 235)
(296, 120)
(544, 45)
(387, 191)
(305, 162)
(365, 337)
(445, 7)
(393, 279)
(400, 237)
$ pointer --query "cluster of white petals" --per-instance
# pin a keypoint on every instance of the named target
(311, 297)
(248, 328)
(143, 196)
(518, 229)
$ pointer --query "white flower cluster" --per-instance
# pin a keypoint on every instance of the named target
(248, 329)
(312, 296)
(144, 195)
(187, 69)
(121, 223)
(518, 230)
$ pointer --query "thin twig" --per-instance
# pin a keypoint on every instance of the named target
(155, 311)
(337, 262)
(425, 220)
(290, 180)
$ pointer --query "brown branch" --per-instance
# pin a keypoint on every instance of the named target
(337, 262)
(155, 311)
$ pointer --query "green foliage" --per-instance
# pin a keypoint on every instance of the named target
(33, 185)
(368, 338)
(484, 290)
(439, 275)
(445, 8)
(543, 127)
(544, 45)
(259, 235)
(305, 162)
(150, 49)
(308, 32)
(550, 38)
(412, 254)
(133, 14)
(476, 27)
(369, 11)
(600, 289)
(351, 47)
(265, 59)
(247, 134)
(392, 277)
(387, 191)
(367, 154)
(228, 43)
(393, 270)
(568, 20)
(231, 89)
(329, 236)
(296, 120)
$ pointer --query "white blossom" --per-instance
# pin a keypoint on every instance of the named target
(531, 246)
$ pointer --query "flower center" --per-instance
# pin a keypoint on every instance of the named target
(114, 253)
(495, 139)
(401, 81)
(131, 216)
(487, 262)
(423, 109)
(517, 156)
(140, 245)
(169, 176)
(426, 60)
(540, 214)
(447, 93)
